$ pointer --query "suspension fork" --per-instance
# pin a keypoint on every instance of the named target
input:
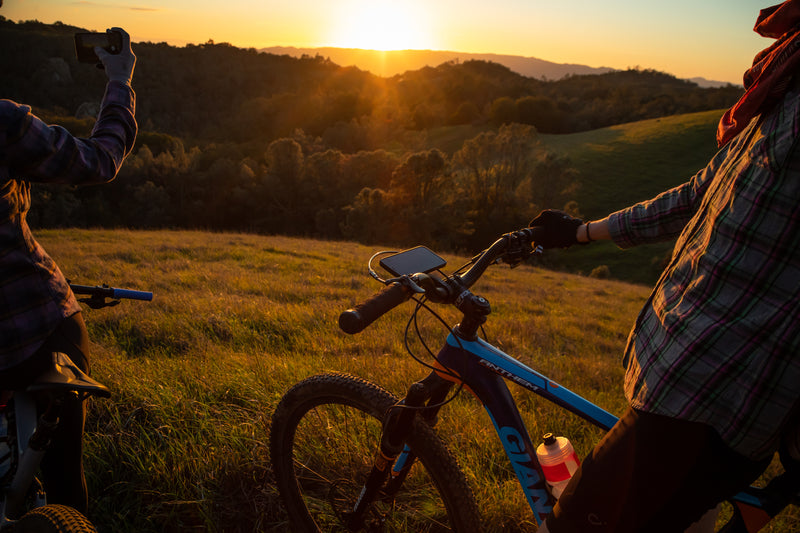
(32, 453)
(394, 457)
(437, 390)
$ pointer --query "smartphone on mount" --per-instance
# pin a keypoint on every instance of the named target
(412, 261)
(85, 42)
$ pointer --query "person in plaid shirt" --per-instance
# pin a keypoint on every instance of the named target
(713, 360)
(39, 314)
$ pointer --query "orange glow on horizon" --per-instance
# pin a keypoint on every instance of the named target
(382, 25)
(713, 39)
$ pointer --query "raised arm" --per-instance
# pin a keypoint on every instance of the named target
(35, 151)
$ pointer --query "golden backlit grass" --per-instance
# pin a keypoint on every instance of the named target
(237, 319)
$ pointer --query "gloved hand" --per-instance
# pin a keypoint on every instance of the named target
(560, 228)
(118, 66)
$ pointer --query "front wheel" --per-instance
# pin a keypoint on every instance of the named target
(53, 519)
(324, 436)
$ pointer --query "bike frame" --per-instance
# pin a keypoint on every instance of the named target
(484, 369)
(28, 460)
(30, 422)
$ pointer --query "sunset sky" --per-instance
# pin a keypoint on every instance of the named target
(687, 38)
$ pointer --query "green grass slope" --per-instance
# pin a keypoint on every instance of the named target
(619, 166)
(628, 163)
(237, 319)
(625, 164)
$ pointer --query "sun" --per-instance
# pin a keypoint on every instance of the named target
(383, 25)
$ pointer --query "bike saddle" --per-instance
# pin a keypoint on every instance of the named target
(64, 375)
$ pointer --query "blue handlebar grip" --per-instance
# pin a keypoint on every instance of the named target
(133, 295)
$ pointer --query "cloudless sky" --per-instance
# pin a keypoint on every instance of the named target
(709, 38)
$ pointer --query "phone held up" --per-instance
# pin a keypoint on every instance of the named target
(110, 41)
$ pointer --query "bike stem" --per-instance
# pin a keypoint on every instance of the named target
(476, 311)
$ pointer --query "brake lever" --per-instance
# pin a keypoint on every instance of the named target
(98, 302)
(517, 251)
(407, 282)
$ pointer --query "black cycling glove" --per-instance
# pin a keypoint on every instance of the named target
(560, 228)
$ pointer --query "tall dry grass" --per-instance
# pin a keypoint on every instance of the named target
(237, 319)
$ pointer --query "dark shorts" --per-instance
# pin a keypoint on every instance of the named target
(652, 474)
(70, 338)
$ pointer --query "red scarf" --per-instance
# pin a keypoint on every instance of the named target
(768, 79)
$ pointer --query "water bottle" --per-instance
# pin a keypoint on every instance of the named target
(558, 460)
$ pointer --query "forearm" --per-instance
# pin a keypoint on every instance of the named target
(39, 152)
(632, 226)
(114, 133)
(594, 230)
(656, 220)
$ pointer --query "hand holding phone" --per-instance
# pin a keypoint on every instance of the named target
(110, 50)
(85, 44)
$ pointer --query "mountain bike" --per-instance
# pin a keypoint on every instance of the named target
(350, 456)
(28, 419)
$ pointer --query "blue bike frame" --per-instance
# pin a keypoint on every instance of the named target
(483, 369)
(470, 360)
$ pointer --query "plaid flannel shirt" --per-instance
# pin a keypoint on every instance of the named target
(34, 296)
(718, 341)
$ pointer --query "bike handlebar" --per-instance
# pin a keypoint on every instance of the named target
(521, 239)
(358, 318)
(516, 244)
(111, 292)
(133, 295)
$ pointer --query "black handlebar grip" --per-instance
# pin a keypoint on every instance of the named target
(356, 319)
(536, 233)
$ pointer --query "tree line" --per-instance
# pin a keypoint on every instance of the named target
(495, 182)
(234, 139)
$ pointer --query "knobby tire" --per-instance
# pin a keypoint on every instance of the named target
(53, 519)
(323, 438)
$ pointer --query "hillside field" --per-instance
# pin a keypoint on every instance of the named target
(619, 166)
(622, 165)
(237, 319)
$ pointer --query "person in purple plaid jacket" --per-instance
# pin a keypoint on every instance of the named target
(39, 314)
(713, 361)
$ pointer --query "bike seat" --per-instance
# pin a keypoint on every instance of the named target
(64, 375)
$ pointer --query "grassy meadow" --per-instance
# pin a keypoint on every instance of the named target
(237, 319)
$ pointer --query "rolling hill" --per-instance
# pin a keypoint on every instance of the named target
(618, 166)
(625, 164)
(393, 62)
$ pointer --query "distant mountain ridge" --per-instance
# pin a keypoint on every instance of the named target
(394, 62)
(391, 63)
